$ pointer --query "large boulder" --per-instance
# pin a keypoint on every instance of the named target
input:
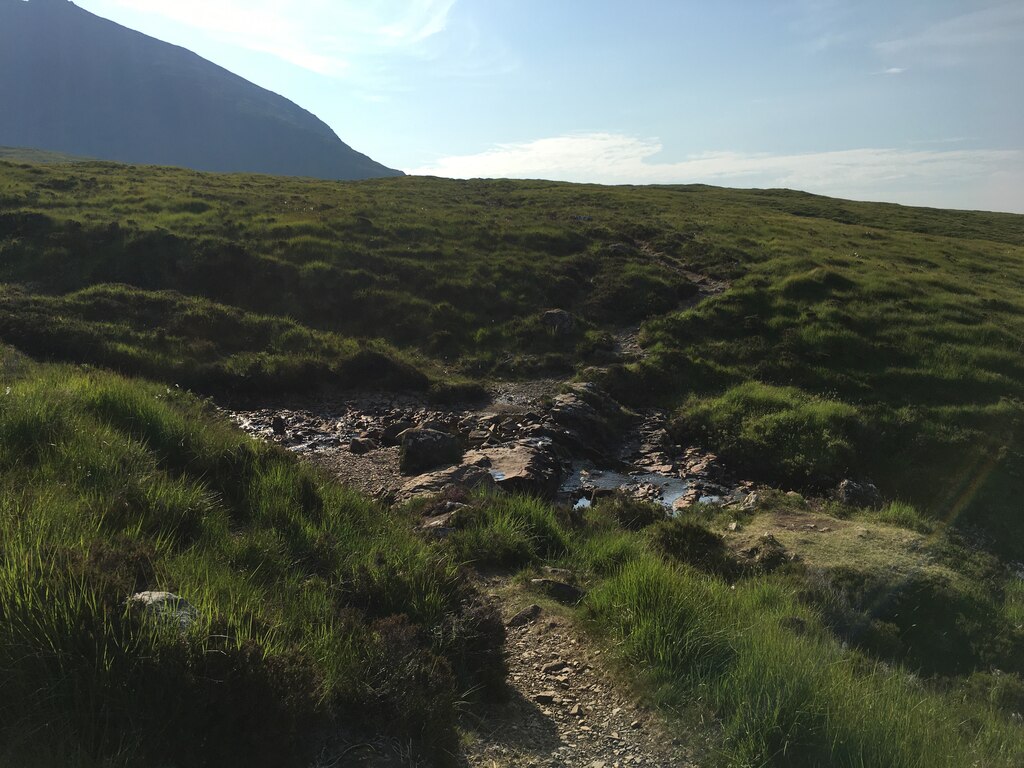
(591, 422)
(532, 467)
(558, 321)
(857, 494)
(466, 476)
(390, 434)
(423, 449)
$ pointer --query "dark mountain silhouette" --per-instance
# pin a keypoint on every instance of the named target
(73, 82)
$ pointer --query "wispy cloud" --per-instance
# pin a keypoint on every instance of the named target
(954, 178)
(324, 36)
(892, 71)
(954, 40)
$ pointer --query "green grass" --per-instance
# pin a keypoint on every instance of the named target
(313, 605)
(767, 661)
(906, 516)
(856, 339)
(777, 432)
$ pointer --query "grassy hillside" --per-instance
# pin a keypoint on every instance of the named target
(855, 339)
(860, 340)
(310, 607)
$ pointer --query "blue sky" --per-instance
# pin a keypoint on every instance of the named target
(911, 101)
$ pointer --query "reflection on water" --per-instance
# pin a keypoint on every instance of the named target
(586, 482)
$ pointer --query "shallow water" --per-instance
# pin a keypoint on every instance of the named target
(585, 481)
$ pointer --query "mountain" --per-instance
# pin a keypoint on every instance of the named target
(73, 82)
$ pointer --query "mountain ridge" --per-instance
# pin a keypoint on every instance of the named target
(76, 83)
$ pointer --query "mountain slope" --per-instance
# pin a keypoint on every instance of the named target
(73, 82)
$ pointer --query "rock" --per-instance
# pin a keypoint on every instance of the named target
(362, 445)
(564, 593)
(424, 449)
(553, 667)
(560, 322)
(525, 616)
(858, 494)
(439, 522)
(545, 697)
(531, 467)
(280, 428)
(165, 605)
(557, 573)
(464, 476)
(687, 500)
(389, 436)
(586, 429)
(437, 425)
(751, 502)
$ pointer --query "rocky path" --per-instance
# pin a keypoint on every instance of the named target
(567, 709)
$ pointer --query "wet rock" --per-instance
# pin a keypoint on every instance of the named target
(531, 467)
(278, 426)
(558, 321)
(564, 593)
(423, 449)
(165, 605)
(464, 476)
(858, 494)
(687, 500)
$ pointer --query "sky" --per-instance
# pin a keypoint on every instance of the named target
(918, 102)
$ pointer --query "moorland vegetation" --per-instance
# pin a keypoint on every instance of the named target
(843, 340)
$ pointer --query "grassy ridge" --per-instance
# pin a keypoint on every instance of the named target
(313, 607)
(198, 343)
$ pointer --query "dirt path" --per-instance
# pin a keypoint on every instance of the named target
(567, 708)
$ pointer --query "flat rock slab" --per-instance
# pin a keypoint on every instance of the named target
(529, 466)
(465, 476)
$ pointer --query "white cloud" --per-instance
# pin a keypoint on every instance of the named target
(892, 71)
(988, 179)
(320, 35)
(952, 40)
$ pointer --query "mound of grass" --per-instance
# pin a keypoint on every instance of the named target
(311, 605)
(507, 532)
(905, 515)
(777, 433)
(199, 344)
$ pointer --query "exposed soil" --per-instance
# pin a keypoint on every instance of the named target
(567, 708)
